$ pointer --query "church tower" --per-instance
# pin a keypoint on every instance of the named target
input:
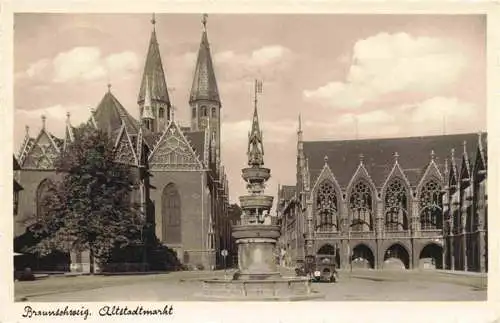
(153, 100)
(204, 99)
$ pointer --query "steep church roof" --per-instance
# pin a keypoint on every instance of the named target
(204, 82)
(153, 75)
(197, 141)
(414, 155)
(110, 114)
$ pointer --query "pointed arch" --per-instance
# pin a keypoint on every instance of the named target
(42, 191)
(431, 172)
(361, 205)
(327, 197)
(396, 199)
(430, 204)
(171, 214)
(327, 207)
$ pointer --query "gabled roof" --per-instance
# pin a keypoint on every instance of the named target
(204, 82)
(153, 75)
(174, 151)
(110, 115)
(414, 155)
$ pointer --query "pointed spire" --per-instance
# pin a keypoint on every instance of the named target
(464, 144)
(68, 118)
(153, 72)
(44, 118)
(446, 167)
(204, 85)
(255, 147)
(452, 155)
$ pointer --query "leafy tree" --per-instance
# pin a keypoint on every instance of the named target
(90, 208)
(234, 212)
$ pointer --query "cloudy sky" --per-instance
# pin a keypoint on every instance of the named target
(349, 76)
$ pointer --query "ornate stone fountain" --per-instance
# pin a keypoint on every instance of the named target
(258, 277)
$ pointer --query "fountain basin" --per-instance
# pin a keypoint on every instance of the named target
(256, 231)
(256, 202)
(256, 174)
(279, 289)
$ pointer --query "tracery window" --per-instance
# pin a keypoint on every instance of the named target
(161, 112)
(214, 112)
(171, 214)
(396, 206)
(431, 206)
(327, 207)
(41, 194)
(361, 207)
(203, 111)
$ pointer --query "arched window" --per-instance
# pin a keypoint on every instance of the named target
(171, 214)
(396, 206)
(42, 192)
(327, 207)
(193, 113)
(161, 113)
(360, 205)
(204, 111)
(214, 112)
(431, 206)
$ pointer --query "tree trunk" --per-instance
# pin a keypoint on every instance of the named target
(91, 259)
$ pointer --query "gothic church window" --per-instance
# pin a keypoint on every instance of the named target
(214, 112)
(360, 205)
(203, 111)
(161, 113)
(396, 206)
(42, 192)
(171, 214)
(431, 206)
(327, 207)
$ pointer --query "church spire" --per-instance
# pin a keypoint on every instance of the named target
(255, 147)
(204, 82)
(153, 76)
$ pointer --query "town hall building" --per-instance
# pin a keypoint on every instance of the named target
(183, 188)
(417, 202)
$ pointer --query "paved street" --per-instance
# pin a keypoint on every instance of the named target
(182, 286)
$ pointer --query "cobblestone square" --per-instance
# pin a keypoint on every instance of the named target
(360, 285)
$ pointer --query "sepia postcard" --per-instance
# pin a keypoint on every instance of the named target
(204, 161)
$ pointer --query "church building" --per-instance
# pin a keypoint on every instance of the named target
(182, 183)
(416, 202)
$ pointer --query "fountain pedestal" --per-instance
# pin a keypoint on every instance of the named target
(256, 244)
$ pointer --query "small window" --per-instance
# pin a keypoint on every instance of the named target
(194, 113)
(214, 112)
(161, 112)
(203, 111)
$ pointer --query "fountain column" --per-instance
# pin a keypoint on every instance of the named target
(256, 236)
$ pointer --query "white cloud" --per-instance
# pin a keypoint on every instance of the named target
(264, 56)
(439, 108)
(84, 63)
(392, 63)
(264, 62)
(37, 67)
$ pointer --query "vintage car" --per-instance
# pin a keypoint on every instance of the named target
(325, 270)
(319, 268)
